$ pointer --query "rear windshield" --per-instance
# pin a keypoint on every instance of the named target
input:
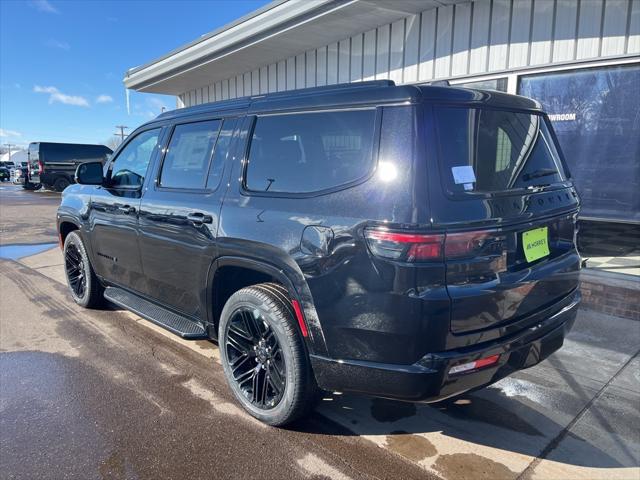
(486, 151)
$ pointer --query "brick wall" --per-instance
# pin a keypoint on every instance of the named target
(610, 294)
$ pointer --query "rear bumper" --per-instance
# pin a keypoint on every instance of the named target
(428, 379)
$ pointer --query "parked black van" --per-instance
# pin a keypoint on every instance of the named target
(53, 165)
(408, 242)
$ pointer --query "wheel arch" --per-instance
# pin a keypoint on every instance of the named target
(65, 227)
(259, 271)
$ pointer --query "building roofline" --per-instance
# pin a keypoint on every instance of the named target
(267, 21)
(207, 36)
(280, 29)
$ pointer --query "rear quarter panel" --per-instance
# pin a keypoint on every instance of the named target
(348, 300)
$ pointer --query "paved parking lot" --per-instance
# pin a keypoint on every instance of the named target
(105, 394)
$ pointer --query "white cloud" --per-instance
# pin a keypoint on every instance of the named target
(9, 133)
(56, 95)
(53, 43)
(39, 89)
(43, 6)
(104, 99)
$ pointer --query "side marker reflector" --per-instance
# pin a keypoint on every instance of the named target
(483, 362)
(300, 318)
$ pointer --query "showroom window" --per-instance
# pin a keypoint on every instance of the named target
(595, 113)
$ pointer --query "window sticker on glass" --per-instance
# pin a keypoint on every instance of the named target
(463, 174)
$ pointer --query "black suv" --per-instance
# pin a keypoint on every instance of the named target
(409, 242)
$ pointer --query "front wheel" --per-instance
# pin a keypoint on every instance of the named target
(31, 186)
(84, 286)
(263, 355)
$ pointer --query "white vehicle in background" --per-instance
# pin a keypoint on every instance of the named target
(19, 174)
(17, 164)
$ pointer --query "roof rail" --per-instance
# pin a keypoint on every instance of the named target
(246, 100)
(328, 88)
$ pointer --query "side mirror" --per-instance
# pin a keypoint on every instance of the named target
(89, 173)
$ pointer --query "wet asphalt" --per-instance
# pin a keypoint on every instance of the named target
(99, 394)
(91, 394)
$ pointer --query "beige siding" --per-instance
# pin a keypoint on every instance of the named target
(451, 41)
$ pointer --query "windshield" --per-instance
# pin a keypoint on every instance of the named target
(484, 150)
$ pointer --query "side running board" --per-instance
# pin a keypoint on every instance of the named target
(176, 323)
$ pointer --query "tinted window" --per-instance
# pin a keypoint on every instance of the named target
(65, 152)
(596, 116)
(187, 159)
(130, 166)
(495, 150)
(309, 152)
(220, 153)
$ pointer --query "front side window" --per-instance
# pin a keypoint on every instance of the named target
(310, 152)
(130, 166)
(485, 150)
(186, 162)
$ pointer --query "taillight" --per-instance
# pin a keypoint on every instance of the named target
(40, 167)
(406, 247)
(418, 247)
(465, 243)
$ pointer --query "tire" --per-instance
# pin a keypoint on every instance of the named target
(85, 288)
(61, 183)
(31, 186)
(254, 375)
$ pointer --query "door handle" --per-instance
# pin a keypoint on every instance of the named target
(126, 209)
(198, 218)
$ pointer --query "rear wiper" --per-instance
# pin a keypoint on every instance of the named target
(543, 172)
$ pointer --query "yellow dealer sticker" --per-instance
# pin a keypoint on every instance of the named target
(535, 243)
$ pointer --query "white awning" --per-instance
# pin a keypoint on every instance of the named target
(278, 30)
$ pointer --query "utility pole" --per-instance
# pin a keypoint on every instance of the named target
(9, 145)
(121, 134)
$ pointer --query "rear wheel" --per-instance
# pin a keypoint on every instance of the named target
(263, 355)
(60, 184)
(84, 286)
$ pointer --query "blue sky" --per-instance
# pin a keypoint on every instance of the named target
(62, 62)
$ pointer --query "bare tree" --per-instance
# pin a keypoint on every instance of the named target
(113, 142)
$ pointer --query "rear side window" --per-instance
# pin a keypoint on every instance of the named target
(220, 153)
(310, 152)
(186, 162)
(485, 150)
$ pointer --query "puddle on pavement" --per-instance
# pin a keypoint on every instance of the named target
(469, 466)
(15, 252)
(413, 447)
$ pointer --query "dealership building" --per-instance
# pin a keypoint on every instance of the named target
(579, 58)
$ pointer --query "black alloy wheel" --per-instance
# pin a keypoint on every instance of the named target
(264, 356)
(84, 286)
(76, 273)
(256, 358)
